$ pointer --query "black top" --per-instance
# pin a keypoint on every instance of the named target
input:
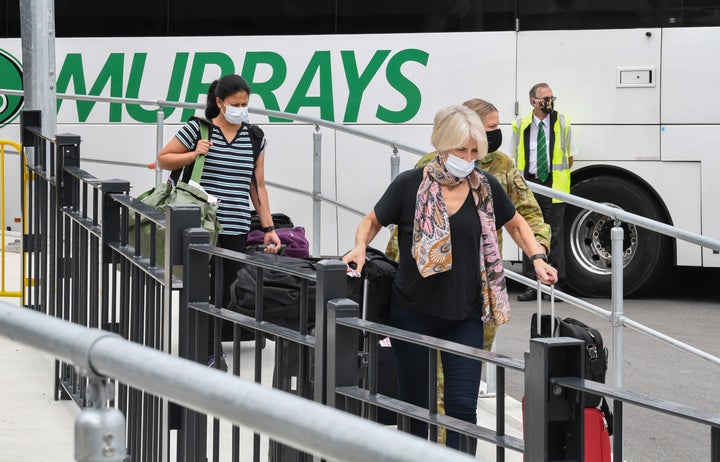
(454, 294)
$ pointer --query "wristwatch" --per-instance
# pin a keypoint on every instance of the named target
(267, 229)
(539, 256)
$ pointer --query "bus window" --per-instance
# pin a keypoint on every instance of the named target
(218, 17)
(9, 19)
(130, 18)
(589, 14)
(380, 16)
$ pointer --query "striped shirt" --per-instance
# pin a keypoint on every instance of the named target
(227, 173)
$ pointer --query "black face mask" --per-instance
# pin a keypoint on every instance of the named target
(546, 105)
(494, 138)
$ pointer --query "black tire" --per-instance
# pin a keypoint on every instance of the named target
(588, 247)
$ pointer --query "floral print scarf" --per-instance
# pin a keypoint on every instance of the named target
(431, 246)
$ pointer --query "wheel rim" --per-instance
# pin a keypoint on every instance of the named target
(590, 242)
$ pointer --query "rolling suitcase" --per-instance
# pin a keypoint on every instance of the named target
(597, 438)
(597, 429)
(372, 293)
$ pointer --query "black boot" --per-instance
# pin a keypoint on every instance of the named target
(528, 295)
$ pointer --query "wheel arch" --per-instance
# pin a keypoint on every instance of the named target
(610, 170)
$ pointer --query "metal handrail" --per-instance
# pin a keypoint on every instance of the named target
(100, 353)
(617, 213)
(626, 322)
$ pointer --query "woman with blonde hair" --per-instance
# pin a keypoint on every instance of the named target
(450, 277)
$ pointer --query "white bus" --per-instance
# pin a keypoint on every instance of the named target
(638, 80)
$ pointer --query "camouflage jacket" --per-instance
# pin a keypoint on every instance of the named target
(502, 168)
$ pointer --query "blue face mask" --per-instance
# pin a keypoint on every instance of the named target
(458, 167)
(236, 115)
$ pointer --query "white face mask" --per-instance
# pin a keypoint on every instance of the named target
(458, 167)
(236, 115)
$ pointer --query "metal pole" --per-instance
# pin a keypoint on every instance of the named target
(616, 237)
(159, 145)
(394, 163)
(37, 28)
(317, 191)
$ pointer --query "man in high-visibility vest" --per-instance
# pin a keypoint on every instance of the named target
(544, 151)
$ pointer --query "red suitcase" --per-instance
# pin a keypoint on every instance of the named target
(597, 438)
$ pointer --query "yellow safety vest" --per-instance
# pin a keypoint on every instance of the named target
(560, 164)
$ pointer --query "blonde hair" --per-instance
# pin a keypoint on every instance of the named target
(456, 125)
(481, 107)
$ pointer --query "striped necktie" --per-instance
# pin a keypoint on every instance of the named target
(542, 159)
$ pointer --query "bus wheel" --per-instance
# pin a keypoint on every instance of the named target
(646, 254)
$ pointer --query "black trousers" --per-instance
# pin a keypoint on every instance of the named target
(554, 215)
(230, 270)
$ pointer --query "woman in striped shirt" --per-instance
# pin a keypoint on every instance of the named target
(232, 173)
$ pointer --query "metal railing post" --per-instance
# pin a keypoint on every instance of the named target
(159, 142)
(331, 283)
(193, 337)
(342, 350)
(617, 235)
(317, 191)
(394, 163)
(553, 418)
(177, 219)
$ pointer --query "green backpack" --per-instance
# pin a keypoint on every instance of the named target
(178, 190)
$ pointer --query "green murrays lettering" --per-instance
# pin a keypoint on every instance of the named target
(136, 111)
(266, 89)
(111, 72)
(403, 85)
(357, 82)
(319, 66)
(195, 86)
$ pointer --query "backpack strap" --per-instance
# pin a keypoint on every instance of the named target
(608, 415)
(256, 138)
(194, 170)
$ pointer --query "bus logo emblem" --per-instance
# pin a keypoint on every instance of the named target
(11, 78)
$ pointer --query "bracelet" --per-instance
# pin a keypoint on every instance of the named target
(267, 229)
(539, 256)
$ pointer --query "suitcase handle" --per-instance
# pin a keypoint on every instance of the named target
(552, 308)
(262, 247)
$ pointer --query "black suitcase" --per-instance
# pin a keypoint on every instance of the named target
(596, 354)
(281, 305)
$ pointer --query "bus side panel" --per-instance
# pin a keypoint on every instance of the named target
(697, 143)
(690, 96)
(582, 69)
(606, 143)
(691, 72)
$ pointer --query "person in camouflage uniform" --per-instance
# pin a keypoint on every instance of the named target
(503, 168)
